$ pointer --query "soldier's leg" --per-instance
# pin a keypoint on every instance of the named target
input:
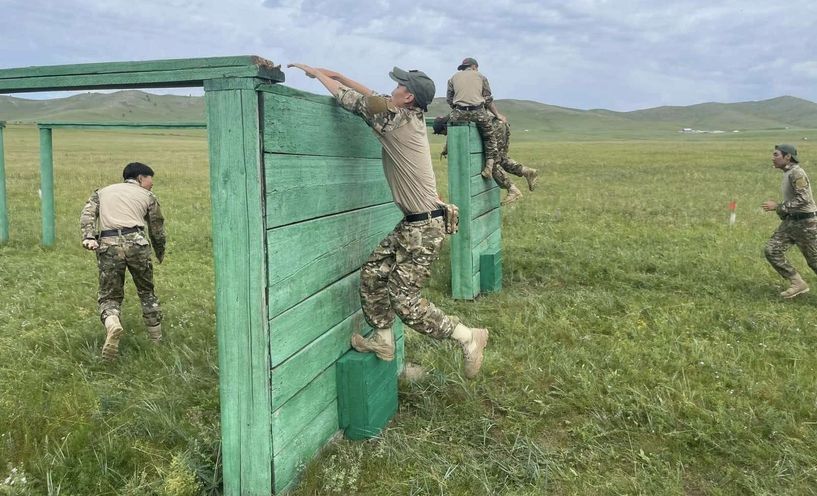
(775, 251)
(517, 169)
(419, 247)
(140, 267)
(502, 179)
(806, 239)
(374, 299)
(111, 263)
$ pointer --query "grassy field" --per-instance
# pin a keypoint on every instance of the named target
(638, 345)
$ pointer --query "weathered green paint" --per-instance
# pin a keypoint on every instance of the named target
(47, 187)
(140, 74)
(122, 125)
(236, 179)
(4, 219)
(480, 220)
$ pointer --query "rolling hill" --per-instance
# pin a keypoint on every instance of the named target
(528, 118)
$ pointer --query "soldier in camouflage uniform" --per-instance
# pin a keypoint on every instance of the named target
(121, 212)
(798, 214)
(392, 278)
(502, 131)
(469, 96)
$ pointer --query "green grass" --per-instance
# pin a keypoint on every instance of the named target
(638, 345)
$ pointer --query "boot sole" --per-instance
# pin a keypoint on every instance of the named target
(479, 354)
(360, 345)
(110, 349)
(508, 201)
(788, 297)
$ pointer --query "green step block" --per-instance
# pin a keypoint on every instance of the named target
(367, 394)
(490, 272)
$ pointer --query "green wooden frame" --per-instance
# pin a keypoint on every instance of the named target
(298, 201)
(47, 162)
(4, 218)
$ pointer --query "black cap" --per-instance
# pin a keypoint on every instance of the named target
(466, 63)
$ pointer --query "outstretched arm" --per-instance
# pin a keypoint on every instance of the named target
(332, 85)
(342, 79)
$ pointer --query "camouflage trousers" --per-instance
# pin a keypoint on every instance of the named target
(483, 119)
(115, 255)
(802, 233)
(393, 276)
(506, 165)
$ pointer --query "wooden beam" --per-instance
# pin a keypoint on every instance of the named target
(122, 125)
(4, 219)
(140, 74)
(236, 190)
(47, 187)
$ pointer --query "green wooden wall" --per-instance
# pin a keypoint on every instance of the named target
(327, 206)
(480, 233)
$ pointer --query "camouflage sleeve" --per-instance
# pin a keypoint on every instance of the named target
(156, 228)
(802, 193)
(87, 219)
(486, 91)
(376, 110)
(449, 94)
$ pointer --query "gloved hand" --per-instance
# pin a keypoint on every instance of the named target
(90, 244)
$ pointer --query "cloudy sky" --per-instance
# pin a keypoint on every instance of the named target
(614, 54)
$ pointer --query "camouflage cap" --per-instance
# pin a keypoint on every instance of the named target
(788, 150)
(418, 84)
(466, 63)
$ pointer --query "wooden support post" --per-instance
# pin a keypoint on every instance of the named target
(4, 219)
(459, 192)
(47, 186)
(236, 182)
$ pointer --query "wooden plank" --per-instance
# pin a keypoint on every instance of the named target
(481, 185)
(490, 271)
(308, 256)
(459, 191)
(307, 321)
(485, 202)
(300, 369)
(304, 447)
(236, 179)
(482, 227)
(367, 394)
(492, 243)
(296, 414)
(47, 187)
(147, 74)
(305, 187)
(308, 127)
(122, 125)
(286, 91)
(4, 219)
(233, 83)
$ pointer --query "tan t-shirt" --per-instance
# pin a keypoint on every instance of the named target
(468, 88)
(123, 205)
(406, 154)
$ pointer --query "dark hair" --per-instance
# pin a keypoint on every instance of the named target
(136, 169)
(441, 125)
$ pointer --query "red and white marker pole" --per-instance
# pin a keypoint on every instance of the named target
(732, 206)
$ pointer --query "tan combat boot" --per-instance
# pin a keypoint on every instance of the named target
(530, 175)
(798, 287)
(380, 341)
(473, 341)
(488, 169)
(155, 333)
(111, 347)
(513, 195)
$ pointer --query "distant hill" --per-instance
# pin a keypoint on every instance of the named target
(528, 118)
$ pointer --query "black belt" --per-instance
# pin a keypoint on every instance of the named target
(425, 215)
(471, 107)
(801, 215)
(118, 232)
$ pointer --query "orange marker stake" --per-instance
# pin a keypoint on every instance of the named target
(732, 206)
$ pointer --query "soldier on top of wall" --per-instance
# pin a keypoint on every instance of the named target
(392, 278)
(121, 212)
(469, 96)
